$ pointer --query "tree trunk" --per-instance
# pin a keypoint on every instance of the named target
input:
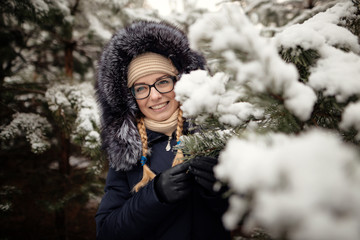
(69, 59)
(64, 162)
(311, 4)
(60, 223)
(64, 169)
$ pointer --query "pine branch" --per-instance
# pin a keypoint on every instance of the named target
(354, 24)
(206, 142)
(27, 90)
(33, 126)
(303, 59)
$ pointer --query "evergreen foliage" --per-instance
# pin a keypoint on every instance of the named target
(265, 91)
(316, 103)
(49, 116)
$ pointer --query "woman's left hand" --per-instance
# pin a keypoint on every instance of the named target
(202, 169)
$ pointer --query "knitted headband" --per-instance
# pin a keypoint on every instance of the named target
(149, 63)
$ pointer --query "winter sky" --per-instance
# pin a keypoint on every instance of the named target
(166, 6)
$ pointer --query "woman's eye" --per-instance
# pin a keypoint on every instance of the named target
(140, 89)
(163, 82)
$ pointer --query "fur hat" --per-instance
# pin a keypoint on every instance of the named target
(119, 134)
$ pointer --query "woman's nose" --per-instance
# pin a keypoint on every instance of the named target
(154, 94)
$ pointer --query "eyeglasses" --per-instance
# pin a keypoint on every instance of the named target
(163, 84)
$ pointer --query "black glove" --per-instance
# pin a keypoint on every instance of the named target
(174, 184)
(202, 169)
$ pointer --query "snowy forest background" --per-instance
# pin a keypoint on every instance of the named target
(280, 105)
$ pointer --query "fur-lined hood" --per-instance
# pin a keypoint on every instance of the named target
(120, 137)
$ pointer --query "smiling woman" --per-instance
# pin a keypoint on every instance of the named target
(135, 86)
(156, 105)
(148, 70)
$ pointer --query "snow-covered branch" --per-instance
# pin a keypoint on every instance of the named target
(253, 61)
(298, 180)
(306, 186)
(33, 126)
(75, 107)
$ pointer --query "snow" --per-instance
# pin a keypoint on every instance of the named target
(77, 100)
(351, 118)
(56, 98)
(320, 30)
(62, 5)
(98, 27)
(304, 185)
(33, 126)
(299, 35)
(200, 93)
(337, 74)
(298, 99)
(22, 76)
(252, 59)
(282, 177)
(140, 13)
(289, 187)
(336, 71)
(200, 89)
(76, 162)
(237, 208)
(40, 6)
(92, 140)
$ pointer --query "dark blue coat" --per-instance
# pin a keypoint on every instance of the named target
(123, 214)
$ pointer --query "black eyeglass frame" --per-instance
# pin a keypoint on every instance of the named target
(173, 78)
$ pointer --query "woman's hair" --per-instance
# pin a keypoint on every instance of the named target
(148, 175)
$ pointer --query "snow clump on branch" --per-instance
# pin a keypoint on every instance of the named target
(202, 95)
(33, 126)
(76, 105)
(252, 60)
(307, 185)
(337, 72)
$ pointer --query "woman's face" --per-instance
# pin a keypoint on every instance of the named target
(157, 106)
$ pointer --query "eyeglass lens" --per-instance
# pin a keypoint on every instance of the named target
(163, 85)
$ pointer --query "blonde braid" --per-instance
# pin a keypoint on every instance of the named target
(148, 175)
(179, 155)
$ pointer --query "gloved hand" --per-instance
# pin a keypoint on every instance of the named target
(202, 169)
(174, 184)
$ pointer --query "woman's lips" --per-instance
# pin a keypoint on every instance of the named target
(159, 106)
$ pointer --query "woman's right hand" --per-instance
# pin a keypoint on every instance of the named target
(174, 184)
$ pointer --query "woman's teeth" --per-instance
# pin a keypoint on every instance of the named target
(159, 106)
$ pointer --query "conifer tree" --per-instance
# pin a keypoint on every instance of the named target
(281, 110)
(49, 116)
